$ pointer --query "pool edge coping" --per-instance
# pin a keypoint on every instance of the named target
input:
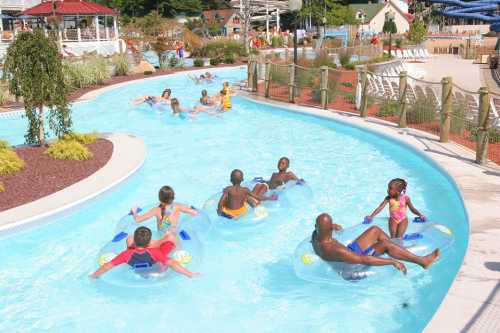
(119, 168)
(454, 300)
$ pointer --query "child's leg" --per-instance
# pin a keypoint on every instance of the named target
(393, 227)
(139, 100)
(180, 269)
(401, 228)
(259, 189)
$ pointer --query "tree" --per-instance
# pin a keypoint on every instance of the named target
(34, 70)
(389, 28)
(418, 31)
(248, 9)
(334, 11)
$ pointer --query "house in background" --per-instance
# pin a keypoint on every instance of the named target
(227, 20)
(372, 16)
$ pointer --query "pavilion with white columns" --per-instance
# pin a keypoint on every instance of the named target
(83, 26)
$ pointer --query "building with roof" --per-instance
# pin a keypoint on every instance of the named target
(372, 16)
(227, 20)
(81, 26)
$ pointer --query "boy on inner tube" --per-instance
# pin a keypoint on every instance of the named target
(144, 251)
(277, 178)
(366, 249)
(235, 199)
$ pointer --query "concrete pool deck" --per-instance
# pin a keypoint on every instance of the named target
(128, 155)
(473, 300)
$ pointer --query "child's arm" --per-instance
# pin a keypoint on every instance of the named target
(413, 209)
(103, 269)
(187, 209)
(180, 269)
(378, 210)
(292, 176)
(262, 197)
(153, 212)
(222, 199)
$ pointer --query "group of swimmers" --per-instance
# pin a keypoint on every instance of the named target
(212, 105)
(366, 249)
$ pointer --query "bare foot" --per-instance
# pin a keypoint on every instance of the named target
(430, 259)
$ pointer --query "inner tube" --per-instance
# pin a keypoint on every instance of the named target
(188, 252)
(294, 192)
(421, 239)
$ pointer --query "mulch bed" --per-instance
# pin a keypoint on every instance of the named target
(44, 175)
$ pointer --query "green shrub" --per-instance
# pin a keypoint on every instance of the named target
(279, 75)
(87, 72)
(173, 61)
(229, 58)
(493, 135)
(351, 98)
(10, 162)
(4, 144)
(217, 49)
(421, 112)
(347, 84)
(198, 62)
(214, 61)
(277, 41)
(388, 108)
(121, 64)
(399, 43)
(457, 121)
(323, 60)
(349, 66)
(83, 138)
(345, 59)
(68, 150)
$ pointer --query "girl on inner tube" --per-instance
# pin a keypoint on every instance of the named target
(152, 100)
(167, 213)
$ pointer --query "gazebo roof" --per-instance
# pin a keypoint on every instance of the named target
(68, 7)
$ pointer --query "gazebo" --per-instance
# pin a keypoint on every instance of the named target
(82, 26)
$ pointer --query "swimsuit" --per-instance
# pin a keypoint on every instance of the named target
(150, 100)
(234, 213)
(397, 208)
(165, 222)
(144, 257)
(356, 248)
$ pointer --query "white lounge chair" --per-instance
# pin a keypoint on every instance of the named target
(399, 54)
(405, 54)
(422, 53)
(427, 54)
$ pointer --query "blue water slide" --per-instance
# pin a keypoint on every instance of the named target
(484, 10)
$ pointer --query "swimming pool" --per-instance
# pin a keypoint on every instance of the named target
(248, 283)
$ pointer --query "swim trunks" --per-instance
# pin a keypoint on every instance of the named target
(234, 213)
(354, 247)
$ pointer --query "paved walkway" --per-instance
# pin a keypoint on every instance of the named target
(473, 301)
(128, 156)
(464, 72)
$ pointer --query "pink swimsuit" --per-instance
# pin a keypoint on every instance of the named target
(397, 208)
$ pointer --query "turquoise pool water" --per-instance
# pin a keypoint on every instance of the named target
(248, 283)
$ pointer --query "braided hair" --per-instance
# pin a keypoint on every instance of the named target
(400, 184)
